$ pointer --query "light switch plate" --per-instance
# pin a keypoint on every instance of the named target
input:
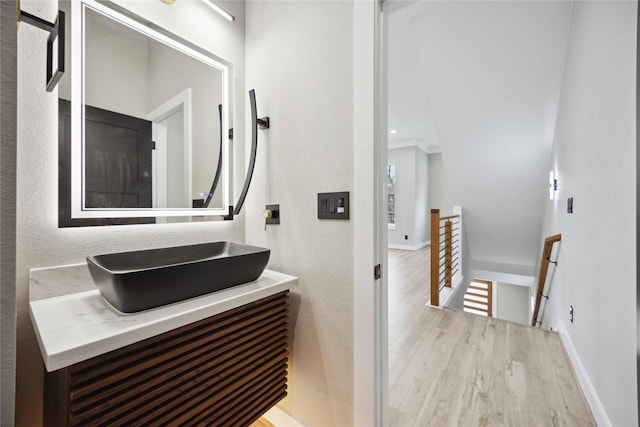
(333, 205)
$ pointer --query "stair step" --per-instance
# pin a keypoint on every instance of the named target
(479, 298)
(477, 293)
(481, 286)
(476, 305)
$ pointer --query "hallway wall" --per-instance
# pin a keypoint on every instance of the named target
(412, 198)
(594, 159)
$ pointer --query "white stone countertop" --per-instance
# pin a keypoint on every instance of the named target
(74, 323)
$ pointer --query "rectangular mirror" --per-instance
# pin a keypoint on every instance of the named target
(147, 122)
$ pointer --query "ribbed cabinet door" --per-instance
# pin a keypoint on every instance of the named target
(226, 370)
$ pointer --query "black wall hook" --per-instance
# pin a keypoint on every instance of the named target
(552, 262)
(56, 31)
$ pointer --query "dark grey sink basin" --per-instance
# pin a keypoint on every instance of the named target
(136, 281)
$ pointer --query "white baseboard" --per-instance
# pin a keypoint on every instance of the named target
(602, 420)
(279, 418)
(409, 247)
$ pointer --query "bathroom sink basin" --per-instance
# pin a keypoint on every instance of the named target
(140, 280)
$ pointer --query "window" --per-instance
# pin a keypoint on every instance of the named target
(391, 197)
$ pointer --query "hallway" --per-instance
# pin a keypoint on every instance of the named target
(447, 367)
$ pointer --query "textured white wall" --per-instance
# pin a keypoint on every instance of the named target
(40, 242)
(8, 89)
(594, 156)
(300, 62)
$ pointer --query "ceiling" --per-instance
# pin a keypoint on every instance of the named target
(481, 80)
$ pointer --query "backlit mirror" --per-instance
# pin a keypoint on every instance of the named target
(147, 122)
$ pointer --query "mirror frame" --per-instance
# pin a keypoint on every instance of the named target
(127, 18)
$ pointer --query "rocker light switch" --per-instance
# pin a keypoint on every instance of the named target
(333, 205)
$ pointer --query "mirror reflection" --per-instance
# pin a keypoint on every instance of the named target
(153, 126)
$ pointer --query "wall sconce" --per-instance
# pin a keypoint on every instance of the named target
(226, 15)
(553, 185)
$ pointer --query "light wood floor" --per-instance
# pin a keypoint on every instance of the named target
(453, 368)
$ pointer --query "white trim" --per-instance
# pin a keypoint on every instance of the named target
(159, 160)
(410, 247)
(420, 143)
(588, 390)
(370, 347)
(497, 276)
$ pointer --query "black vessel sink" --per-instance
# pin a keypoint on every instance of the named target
(136, 281)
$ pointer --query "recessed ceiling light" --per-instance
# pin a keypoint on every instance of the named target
(393, 131)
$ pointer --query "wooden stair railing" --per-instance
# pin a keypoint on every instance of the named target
(444, 261)
(542, 276)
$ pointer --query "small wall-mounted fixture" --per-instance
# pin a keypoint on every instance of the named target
(271, 215)
(55, 44)
(553, 185)
(226, 15)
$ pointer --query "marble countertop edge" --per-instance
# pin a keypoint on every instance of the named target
(75, 327)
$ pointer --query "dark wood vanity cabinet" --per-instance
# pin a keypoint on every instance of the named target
(226, 370)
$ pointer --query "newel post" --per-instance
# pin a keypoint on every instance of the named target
(435, 250)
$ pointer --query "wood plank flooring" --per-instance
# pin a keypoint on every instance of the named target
(453, 368)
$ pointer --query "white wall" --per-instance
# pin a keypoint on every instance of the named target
(116, 67)
(40, 243)
(300, 62)
(411, 205)
(488, 73)
(594, 156)
(512, 303)
(439, 191)
(422, 212)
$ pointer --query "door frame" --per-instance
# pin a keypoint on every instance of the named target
(159, 156)
(370, 330)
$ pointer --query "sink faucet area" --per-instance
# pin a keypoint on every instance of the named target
(141, 280)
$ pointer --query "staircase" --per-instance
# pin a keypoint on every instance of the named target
(477, 299)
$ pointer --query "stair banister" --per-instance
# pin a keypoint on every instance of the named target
(542, 276)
